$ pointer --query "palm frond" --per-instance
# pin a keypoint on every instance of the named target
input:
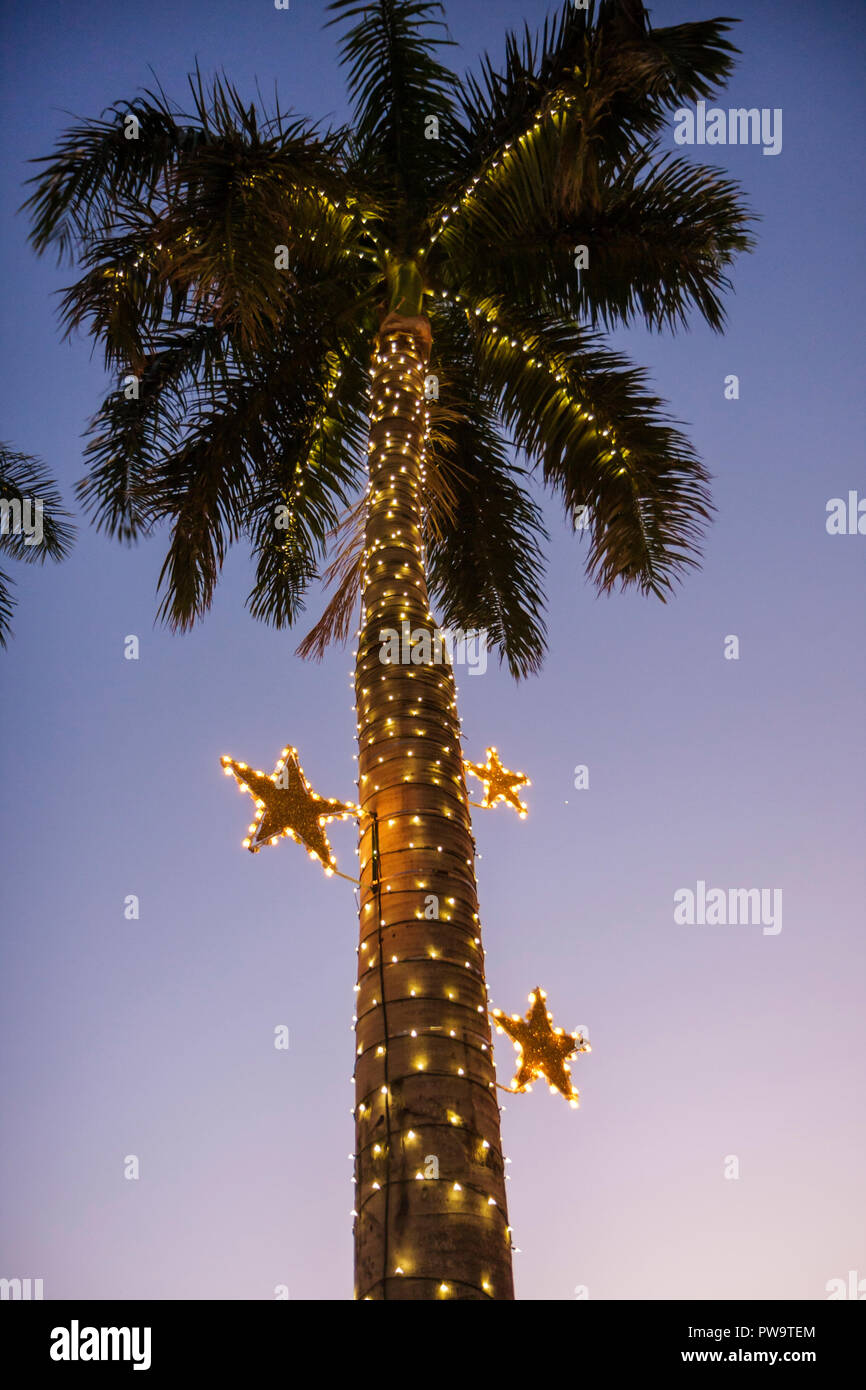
(149, 152)
(23, 479)
(216, 443)
(622, 74)
(312, 482)
(239, 229)
(345, 573)
(486, 570)
(7, 607)
(483, 529)
(34, 526)
(134, 430)
(395, 82)
(250, 407)
(658, 238)
(603, 443)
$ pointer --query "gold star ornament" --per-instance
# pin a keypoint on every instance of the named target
(287, 805)
(542, 1049)
(499, 782)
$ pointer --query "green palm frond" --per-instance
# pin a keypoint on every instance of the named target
(658, 241)
(659, 248)
(230, 246)
(234, 264)
(216, 441)
(395, 82)
(605, 447)
(148, 150)
(486, 570)
(484, 530)
(309, 487)
(344, 572)
(498, 106)
(277, 460)
(132, 433)
(622, 75)
(24, 477)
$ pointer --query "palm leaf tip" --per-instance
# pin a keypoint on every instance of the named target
(34, 527)
(485, 531)
(344, 572)
(25, 481)
(395, 81)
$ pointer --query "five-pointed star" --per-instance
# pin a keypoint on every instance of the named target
(499, 782)
(542, 1049)
(287, 805)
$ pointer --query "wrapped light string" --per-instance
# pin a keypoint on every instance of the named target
(421, 1036)
(424, 725)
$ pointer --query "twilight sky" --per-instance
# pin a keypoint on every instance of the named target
(155, 1037)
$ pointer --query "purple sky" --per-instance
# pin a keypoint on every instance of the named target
(155, 1037)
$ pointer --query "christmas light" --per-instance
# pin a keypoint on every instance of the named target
(499, 782)
(287, 805)
(411, 783)
(542, 1049)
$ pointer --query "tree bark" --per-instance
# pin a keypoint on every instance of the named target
(431, 1219)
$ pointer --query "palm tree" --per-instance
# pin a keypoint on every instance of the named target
(33, 524)
(347, 333)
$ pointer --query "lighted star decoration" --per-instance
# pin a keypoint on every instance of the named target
(542, 1049)
(287, 805)
(499, 782)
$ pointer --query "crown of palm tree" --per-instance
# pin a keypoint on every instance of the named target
(238, 265)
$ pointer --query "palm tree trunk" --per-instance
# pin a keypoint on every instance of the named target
(431, 1219)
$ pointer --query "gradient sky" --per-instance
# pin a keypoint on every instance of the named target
(155, 1037)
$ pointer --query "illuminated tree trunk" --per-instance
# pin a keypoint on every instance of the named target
(431, 1216)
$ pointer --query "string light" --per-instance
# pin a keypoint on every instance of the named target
(409, 1026)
